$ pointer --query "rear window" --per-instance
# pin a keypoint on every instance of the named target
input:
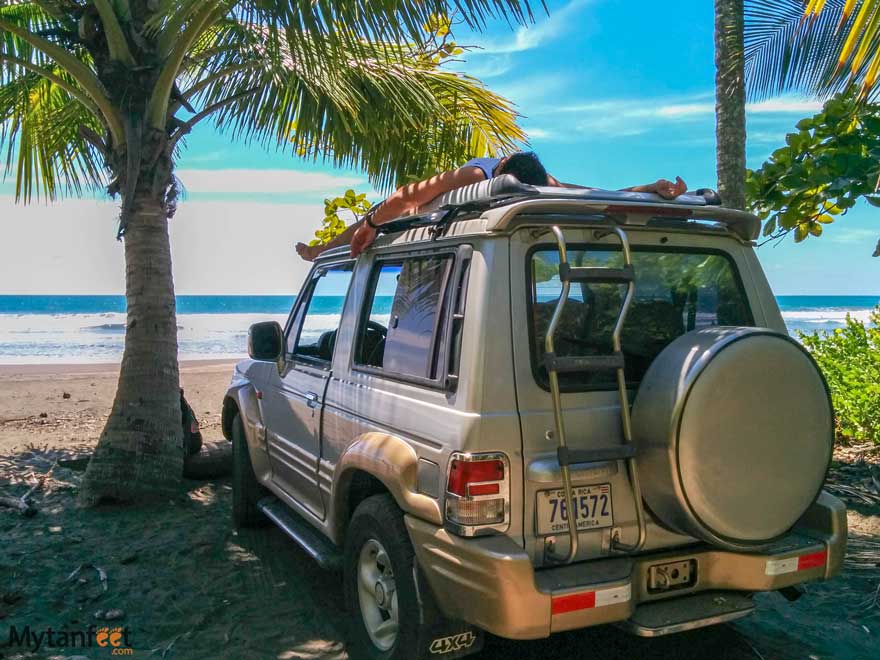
(402, 333)
(676, 292)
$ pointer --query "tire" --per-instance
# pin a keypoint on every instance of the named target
(213, 460)
(246, 490)
(377, 537)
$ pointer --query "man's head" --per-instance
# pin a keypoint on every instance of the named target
(525, 166)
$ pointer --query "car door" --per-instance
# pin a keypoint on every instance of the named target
(293, 401)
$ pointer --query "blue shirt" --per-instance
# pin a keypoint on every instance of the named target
(488, 165)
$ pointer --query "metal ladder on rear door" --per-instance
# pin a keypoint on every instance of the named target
(556, 365)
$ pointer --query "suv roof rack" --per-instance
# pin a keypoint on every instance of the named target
(508, 186)
(523, 203)
(519, 199)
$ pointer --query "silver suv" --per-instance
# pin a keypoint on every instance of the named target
(433, 415)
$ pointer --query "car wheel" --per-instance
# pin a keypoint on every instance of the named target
(380, 587)
(246, 490)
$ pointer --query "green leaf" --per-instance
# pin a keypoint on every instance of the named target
(820, 174)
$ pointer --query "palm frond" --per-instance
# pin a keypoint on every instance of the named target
(833, 49)
(788, 53)
(42, 108)
(340, 80)
(379, 108)
(40, 131)
(378, 20)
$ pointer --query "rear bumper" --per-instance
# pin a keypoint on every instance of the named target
(490, 582)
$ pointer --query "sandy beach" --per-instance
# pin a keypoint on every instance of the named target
(66, 405)
(190, 587)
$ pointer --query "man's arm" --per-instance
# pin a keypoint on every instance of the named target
(662, 187)
(409, 198)
(556, 183)
(311, 252)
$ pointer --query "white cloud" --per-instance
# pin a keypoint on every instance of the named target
(540, 133)
(533, 88)
(682, 110)
(239, 247)
(263, 181)
(485, 68)
(532, 36)
(689, 106)
(785, 105)
(648, 106)
(767, 137)
(849, 236)
(629, 117)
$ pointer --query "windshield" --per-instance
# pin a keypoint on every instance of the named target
(676, 292)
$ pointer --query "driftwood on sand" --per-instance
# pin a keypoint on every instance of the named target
(20, 503)
(23, 504)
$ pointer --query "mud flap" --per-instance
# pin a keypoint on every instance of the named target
(442, 637)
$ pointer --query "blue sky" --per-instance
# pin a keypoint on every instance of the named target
(612, 94)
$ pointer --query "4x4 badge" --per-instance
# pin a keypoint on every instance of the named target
(444, 645)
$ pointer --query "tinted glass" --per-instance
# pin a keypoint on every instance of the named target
(402, 329)
(313, 334)
(676, 292)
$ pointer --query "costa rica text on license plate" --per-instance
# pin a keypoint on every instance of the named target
(592, 508)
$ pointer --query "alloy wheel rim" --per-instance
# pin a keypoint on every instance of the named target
(377, 595)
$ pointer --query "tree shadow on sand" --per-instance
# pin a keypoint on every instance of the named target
(191, 587)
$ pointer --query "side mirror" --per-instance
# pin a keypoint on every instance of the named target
(266, 341)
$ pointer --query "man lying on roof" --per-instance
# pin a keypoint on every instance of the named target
(406, 200)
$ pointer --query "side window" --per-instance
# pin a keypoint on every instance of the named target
(312, 334)
(402, 330)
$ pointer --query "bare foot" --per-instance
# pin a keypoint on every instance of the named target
(308, 252)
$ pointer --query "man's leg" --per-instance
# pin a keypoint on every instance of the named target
(312, 252)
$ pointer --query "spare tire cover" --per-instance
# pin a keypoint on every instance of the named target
(734, 429)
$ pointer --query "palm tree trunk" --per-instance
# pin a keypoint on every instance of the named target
(140, 452)
(730, 102)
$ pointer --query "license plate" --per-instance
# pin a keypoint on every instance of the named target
(592, 509)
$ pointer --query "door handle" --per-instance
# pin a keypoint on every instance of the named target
(311, 400)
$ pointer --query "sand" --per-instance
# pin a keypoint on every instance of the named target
(29, 391)
(190, 587)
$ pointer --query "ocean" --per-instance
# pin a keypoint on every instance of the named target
(83, 329)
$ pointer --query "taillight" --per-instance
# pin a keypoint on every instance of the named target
(477, 493)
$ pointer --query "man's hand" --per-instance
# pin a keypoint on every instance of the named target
(362, 239)
(669, 190)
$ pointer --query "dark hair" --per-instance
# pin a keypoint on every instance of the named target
(526, 167)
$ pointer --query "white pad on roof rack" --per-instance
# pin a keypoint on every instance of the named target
(507, 185)
(618, 196)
